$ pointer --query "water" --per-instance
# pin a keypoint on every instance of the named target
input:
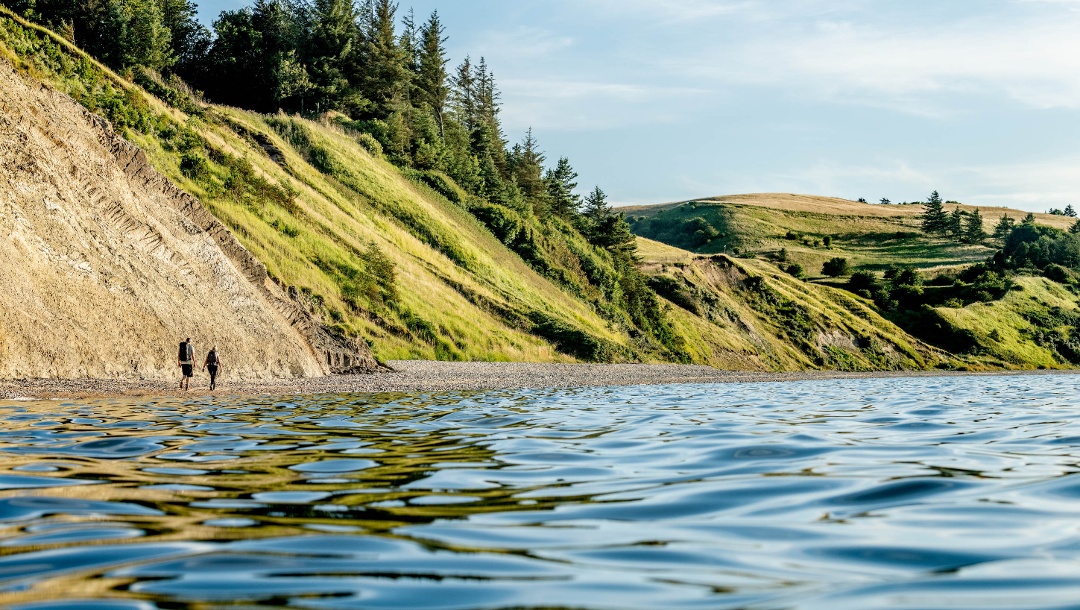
(958, 492)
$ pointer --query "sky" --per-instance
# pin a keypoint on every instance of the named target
(658, 101)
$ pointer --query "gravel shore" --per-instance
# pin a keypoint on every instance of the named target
(427, 376)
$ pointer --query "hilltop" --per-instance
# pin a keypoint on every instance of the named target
(872, 236)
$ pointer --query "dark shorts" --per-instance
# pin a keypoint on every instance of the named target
(187, 369)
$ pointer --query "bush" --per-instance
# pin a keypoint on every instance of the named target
(572, 341)
(194, 166)
(796, 270)
(1058, 273)
(836, 267)
(370, 144)
(862, 281)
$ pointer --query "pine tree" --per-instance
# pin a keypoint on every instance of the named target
(1075, 228)
(463, 96)
(1069, 211)
(1004, 226)
(955, 223)
(383, 66)
(431, 78)
(526, 164)
(148, 41)
(190, 39)
(332, 56)
(973, 231)
(560, 185)
(935, 220)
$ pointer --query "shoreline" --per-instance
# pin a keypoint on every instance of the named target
(418, 376)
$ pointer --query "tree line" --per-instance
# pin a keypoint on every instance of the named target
(330, 55)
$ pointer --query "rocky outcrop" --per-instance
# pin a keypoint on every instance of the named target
(106, 264)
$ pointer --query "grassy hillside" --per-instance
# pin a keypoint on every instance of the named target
(739, 313)
(871, 236)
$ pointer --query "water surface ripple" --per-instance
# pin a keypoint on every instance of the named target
(939, 492)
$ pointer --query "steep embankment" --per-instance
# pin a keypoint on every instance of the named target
(107, 265)
(746, 314)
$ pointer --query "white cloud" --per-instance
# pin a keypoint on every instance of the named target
(1035, 186)
(569, 105)
(909, 67)
(522, 42)
(669, 13)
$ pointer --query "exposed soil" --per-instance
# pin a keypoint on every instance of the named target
(106, 265)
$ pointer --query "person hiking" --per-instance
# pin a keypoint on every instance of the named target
(212, 362)
(185, 359)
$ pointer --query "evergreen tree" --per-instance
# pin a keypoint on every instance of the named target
(935, 220)
(1069, 211)
(1029, 219)
(526, 164)
(332, 57)
(973, 231)
(1002, 228)
(384, 64)
(955, 223)
(281, 70)
(237, 66)
(560, 186)
(609, 230)
(463, 96)
(431, 78)
(190, 39)
(145, 40)
(1075, 228)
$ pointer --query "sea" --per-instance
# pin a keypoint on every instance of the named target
(901, 492)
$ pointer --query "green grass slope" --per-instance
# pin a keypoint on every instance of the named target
(870, 236)
(746, 314)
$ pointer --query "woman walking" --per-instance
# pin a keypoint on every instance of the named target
(211, 364)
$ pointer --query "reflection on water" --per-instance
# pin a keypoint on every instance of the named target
(889, 493)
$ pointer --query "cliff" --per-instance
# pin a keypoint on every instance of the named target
(107, 265)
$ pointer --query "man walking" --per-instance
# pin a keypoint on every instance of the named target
(185, 359)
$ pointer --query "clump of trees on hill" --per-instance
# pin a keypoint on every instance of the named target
(965, 226)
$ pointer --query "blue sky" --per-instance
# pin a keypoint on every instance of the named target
(661, 101)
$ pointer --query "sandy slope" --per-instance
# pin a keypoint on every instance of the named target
(105, 265)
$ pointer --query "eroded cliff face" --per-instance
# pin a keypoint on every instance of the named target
(105, 265)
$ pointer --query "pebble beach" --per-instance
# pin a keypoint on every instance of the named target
(426, 376)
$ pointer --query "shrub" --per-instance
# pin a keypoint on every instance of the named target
(370, 144)
(862, 281)
(836, 267)
(796, 270)
(194, 166)
(1058, 273)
